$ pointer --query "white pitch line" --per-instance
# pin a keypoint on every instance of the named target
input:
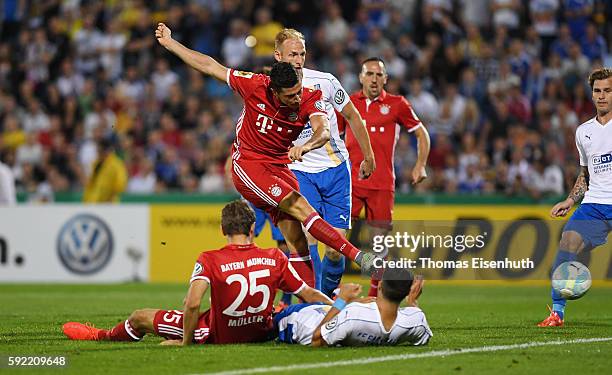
(401, 357)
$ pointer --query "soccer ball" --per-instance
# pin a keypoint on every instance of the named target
(571, 280)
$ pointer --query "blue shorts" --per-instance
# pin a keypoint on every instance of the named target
(593, 221)
(283, 322)
(329, 193)
(261, 217)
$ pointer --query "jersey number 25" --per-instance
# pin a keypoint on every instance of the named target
(251, 288)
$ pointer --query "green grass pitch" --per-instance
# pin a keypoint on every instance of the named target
(461, 316)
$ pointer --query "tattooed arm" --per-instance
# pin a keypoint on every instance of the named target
(580, 188)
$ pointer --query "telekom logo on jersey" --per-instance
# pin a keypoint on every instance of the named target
(262, 123)
(265, 123)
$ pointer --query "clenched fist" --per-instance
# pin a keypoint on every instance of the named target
(163, 34)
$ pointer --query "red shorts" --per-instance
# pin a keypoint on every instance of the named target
(378, 206)
(264, 184)
(169, 324)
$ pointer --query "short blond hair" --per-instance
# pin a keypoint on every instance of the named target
(286, 34)
(597, 74)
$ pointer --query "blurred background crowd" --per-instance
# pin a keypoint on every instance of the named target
(500, 84)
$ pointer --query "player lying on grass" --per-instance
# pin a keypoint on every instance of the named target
(276, 109)
(355, 321)
(243, 279)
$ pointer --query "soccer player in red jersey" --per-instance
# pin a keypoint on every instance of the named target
(276, 108)
(243, 280)
(384, 115)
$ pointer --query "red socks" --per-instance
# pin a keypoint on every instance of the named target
(325, 233)
(123, 332)
(373, 292)
(374, 281)
(303, 267)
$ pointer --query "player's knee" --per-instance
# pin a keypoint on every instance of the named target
(332, 254)
(301, 245)
(571, 241)
(311, 240)
(296, 205)
(282, 245)
(138, 319)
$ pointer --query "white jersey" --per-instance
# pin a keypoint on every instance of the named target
(334, 152)
(7, 186)
(594, 143)
(358, 324)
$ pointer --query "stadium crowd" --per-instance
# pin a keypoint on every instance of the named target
(500, 84)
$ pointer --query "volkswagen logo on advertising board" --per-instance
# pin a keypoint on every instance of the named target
(85, 244)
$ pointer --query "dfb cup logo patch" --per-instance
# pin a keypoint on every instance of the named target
(239, 73)
(275, 190)
(319, 105)
(384, 109)
(85, 244)
(331, 324)
(293, 117)
(339, 97)
(197, 269)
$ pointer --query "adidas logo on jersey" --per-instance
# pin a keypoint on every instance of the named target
(261, 106)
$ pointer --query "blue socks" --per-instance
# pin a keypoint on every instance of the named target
(331, 274)
(558, 301)
(316, 264)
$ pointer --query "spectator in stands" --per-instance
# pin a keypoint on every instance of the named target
(7, 185)
(264, 31)
(544, 17)
(577, 13)
(564, 40)
(334, 27)
(544, 180)
(162, 79)
(87, 41)
(142, 180)
(234, 50)
(108, 178)
(506, 13)
(593, 45)
(65, 84)
(423, 102)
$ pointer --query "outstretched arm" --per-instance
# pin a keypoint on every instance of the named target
(358, 126)
(348, 293)
(311, 295)
(199, 61)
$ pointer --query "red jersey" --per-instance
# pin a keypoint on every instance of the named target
(266, 128)
(243, 281)
(383, 117)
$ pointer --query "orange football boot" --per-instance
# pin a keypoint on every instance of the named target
(80, 331)
(553, 320)
(280, 307)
